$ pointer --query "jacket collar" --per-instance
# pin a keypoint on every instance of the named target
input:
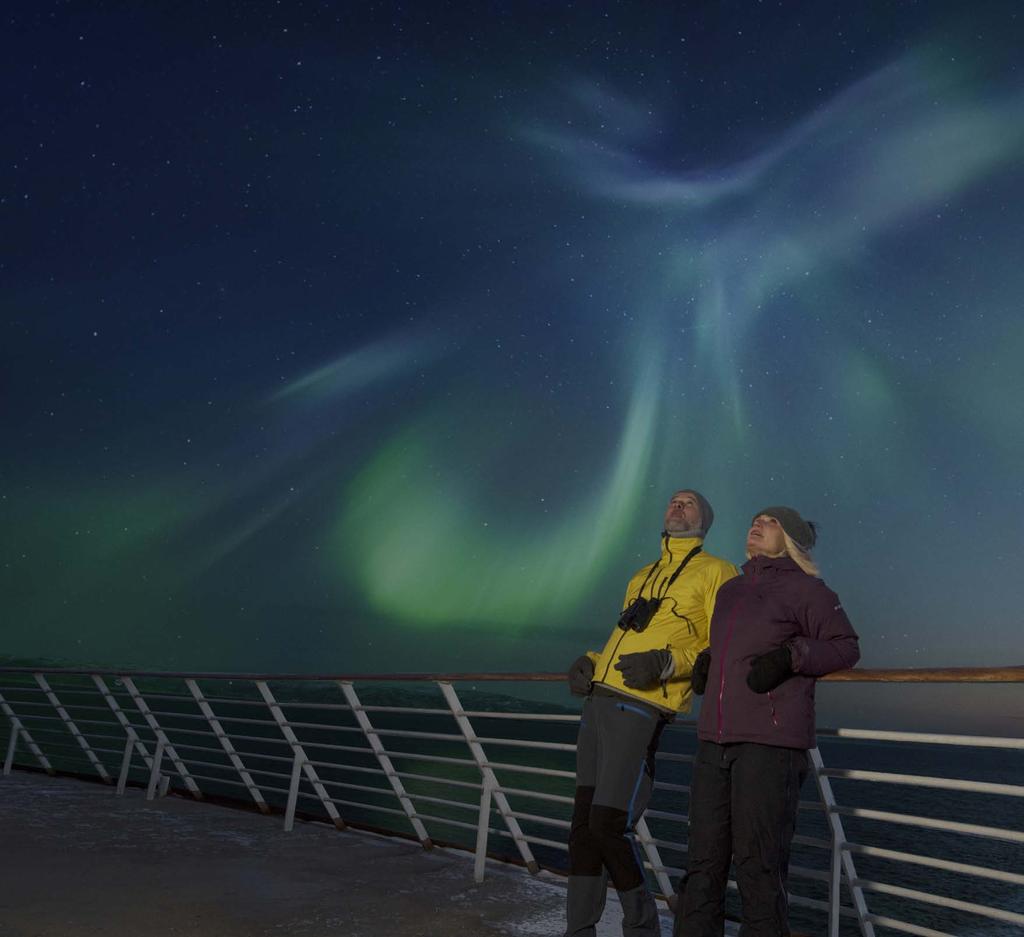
(760, 564)
(673, 549)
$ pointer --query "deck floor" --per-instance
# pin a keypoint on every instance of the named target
(78, 861)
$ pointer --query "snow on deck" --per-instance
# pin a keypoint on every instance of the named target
(78, 861)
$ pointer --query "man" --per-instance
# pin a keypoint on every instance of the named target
(634, 687)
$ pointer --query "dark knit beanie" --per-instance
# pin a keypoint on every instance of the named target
(803, 533)
(707, 514)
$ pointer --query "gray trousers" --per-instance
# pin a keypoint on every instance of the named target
(614, 779)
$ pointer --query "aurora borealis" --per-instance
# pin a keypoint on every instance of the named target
(375, 336)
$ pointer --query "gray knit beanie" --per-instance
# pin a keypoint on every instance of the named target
(803, 533)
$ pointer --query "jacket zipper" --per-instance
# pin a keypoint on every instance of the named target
(608, 666)
(771, 703)
(721, 667)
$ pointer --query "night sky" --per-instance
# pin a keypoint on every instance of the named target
(374, 337)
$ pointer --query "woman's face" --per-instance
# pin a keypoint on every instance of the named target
(765, 537)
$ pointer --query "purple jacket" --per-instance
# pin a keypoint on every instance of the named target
(773, 603)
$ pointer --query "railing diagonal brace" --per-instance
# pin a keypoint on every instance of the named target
(385, 762)
(644, 837)
(18, 728)
(488, 775)
(161, 736)
(308, 769)
(71, 727)
(842, 860)
(226, 744)
(130, 732)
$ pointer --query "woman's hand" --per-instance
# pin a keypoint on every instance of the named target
(767, 671)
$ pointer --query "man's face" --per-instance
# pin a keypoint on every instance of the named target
(683, 514)
(765, 537)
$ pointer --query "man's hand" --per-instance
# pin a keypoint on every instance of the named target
(580, 675)
(701, 668)
(642, 671)
(769, 670)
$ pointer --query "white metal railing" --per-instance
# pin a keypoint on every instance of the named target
(428, 772)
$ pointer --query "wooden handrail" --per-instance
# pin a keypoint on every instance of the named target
(930, 675)
(858, 675)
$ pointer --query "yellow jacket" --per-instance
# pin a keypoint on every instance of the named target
(681, 624)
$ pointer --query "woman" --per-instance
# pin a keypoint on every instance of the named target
(775, 629)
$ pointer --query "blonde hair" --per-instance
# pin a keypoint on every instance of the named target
(800, 556)
(797, 554)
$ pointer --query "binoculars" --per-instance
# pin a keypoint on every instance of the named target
(638, 614)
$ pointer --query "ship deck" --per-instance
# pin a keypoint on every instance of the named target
(80, 861)
(895, 844)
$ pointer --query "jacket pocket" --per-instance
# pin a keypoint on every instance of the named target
(628, 707)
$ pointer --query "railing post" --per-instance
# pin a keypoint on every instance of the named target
(164, 743)
(835, 886)
(12, 744)
(842, 861)
(482, 828)
(307, 767)
(488, 775)
(154, 771)
(385, 762)
(225, 742)
(71, 727)
(298, 759)
(17, 727)
(126, 763)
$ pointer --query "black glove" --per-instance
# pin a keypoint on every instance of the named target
(642, 671)
(769, 670)
(701, 668)
(579, 676)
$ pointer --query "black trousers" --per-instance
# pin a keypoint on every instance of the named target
(743, 804)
